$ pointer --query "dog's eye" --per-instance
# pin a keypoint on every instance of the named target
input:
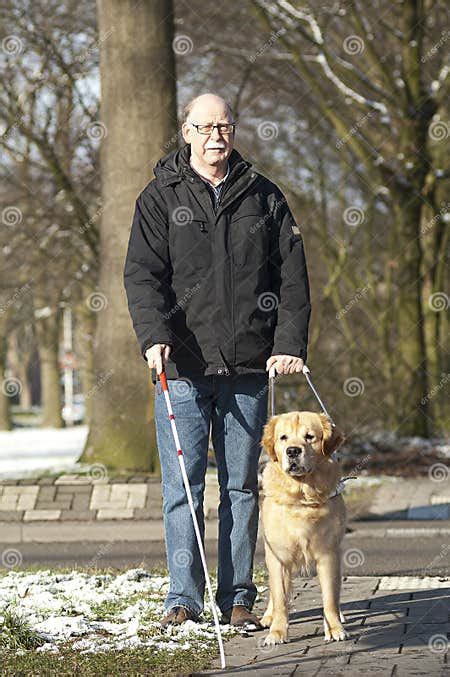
(283, 437)
(309, 436)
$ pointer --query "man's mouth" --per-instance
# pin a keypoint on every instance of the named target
(218, 148)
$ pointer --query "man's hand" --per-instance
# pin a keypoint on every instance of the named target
(285, 364)
(156, 354)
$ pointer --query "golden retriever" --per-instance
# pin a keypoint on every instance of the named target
(303, 527)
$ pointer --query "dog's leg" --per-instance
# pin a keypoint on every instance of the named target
(280, 582)
(266, 620)
(329, 573)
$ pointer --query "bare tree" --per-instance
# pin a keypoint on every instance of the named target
(138, 112)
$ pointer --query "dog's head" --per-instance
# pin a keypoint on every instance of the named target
(299, 440)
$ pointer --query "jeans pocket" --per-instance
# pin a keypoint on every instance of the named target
(183, 398)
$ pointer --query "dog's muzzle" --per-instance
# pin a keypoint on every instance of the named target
(296, 464)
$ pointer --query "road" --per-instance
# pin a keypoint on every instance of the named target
(371, 548)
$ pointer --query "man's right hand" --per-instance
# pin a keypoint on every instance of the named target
(156, 354)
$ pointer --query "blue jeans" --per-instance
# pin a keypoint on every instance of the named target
(236, 408)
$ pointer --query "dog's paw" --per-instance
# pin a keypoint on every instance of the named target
(275, 637)
(336, 633)
(266, 620)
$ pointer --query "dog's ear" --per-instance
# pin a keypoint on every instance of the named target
(332, 436)
(268, 438)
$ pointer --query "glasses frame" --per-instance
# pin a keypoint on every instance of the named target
(233, 124)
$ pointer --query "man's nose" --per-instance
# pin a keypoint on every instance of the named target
(215, 134)
(292, 452)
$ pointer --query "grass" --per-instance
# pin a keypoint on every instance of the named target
(15, 633)
(127, 662)
(20, 652)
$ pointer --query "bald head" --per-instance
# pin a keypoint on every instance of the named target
(209, 102)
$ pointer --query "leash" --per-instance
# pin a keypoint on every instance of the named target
(163, 379)
(306, 372)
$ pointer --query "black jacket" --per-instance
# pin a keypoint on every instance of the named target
(225, 289)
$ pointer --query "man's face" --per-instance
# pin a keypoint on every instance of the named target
(213, 149)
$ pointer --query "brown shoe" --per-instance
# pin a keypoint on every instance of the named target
(178, 615)
(241, 617)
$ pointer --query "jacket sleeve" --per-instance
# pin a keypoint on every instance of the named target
(289, 281)
(148, 273)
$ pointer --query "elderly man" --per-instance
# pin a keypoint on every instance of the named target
(218, 292)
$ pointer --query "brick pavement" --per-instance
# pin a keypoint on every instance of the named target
(397, 627)
(86, 498)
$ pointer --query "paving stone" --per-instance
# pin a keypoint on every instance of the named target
(9, 483)
(433, 612)
(45, 481)
(137, 496)
(19, 491)
(100, 495)
(26, 502)
(155, 507)
(27, 481)
(82, 489)
(144, 514)
(32, 515)
(61, 504)
(440, 498)
(81, 501)
(114, 513)
(8, 502)
(119, 490)
(78, 514)
(73, 479)
(385, 618)
(47, 493)
(11, 515)
(64, 497)
(105, 505)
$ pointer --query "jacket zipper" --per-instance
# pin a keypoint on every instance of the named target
(232, 294)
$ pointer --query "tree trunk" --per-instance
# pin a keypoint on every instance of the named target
(138, 111)
(19, 359)
(411, 372)
(47, 329)
(5, 408)
(85, 332)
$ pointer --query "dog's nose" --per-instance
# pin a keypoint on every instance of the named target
(293, 451)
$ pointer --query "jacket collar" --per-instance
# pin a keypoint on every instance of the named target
(175, 167)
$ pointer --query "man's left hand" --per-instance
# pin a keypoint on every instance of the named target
(285, 364)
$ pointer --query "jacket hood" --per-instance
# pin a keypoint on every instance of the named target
(175, 166)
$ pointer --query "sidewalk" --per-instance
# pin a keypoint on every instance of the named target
(87, 499)
(398, 626)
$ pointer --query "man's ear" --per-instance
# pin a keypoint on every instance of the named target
(332, 436)
(185, 131)
(268, 438)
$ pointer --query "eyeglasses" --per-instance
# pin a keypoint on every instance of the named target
(222, 128)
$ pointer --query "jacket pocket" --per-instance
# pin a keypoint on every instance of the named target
(249, 239)
(190, 245)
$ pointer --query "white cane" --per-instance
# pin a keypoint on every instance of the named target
(163, 379)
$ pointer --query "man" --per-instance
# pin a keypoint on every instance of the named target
(218, 291)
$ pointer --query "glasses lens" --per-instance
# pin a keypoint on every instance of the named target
(223, 128)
